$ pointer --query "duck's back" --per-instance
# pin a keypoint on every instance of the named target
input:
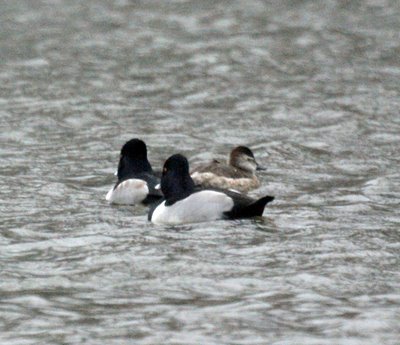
(246, 207)
(219, 168)
(220, 175)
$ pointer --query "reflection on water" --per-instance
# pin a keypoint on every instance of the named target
(312, 89)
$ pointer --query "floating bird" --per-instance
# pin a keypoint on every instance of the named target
(136, 179)
(185, 203)
(238, 174)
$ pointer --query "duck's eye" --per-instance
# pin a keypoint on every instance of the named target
(164, 170)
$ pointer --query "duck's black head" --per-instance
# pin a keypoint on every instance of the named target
(134, 148)
(176, 182)
(133, 159)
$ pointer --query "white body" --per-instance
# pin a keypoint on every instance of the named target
(198, 207)
(129, 192)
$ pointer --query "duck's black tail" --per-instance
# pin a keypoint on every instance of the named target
(254, 209)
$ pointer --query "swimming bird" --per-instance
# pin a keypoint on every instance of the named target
(136, 179)
(185, 203)
(238, 174)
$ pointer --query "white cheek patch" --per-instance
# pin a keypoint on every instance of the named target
(129, 192)
(198, 207)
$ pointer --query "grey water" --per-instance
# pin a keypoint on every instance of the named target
(312, 87)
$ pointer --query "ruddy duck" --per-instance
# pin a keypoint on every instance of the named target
(136, 179)
(184, 203)
(238, 174)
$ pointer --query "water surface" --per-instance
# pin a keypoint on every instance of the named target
(312, 87)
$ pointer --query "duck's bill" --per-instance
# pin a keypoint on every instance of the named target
(259, 167)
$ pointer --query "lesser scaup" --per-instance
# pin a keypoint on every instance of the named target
(136, 179)
(185, 203)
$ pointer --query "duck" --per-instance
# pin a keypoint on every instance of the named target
(184, 202)
(136, 180)
(238, 174)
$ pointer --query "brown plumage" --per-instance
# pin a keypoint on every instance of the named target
(238, 174)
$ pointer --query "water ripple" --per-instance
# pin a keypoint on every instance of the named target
(312, 89)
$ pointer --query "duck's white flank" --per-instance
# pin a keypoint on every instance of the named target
(198, 207)
(128, 192)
